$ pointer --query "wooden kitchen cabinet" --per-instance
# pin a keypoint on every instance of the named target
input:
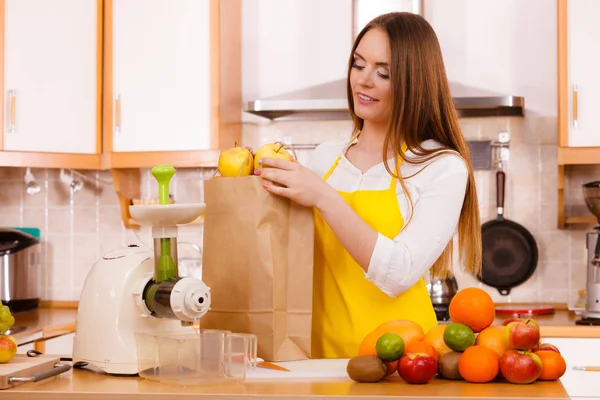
(285, 48)
(172, 81)
(578, 93)
(51, 86)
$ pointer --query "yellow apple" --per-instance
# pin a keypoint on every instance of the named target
(236, 161)
(275, 150)
(8, 348)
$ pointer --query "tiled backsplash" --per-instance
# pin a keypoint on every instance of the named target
(77, 228)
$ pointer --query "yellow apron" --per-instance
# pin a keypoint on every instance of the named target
(346, 307)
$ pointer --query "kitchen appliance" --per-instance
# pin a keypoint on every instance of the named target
(510, 253)
(330, 98)
(591, 314)
(136, 290)
(19, 269)
(441, 292)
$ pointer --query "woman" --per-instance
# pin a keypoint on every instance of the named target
(378, 231)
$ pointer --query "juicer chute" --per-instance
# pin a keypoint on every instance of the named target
(136, 289)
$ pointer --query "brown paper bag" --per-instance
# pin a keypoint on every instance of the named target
(258, 264)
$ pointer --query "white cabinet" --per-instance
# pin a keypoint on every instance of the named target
(161, 88)
(293, 44)
(583, 78)
(579, 352)
(51, 68)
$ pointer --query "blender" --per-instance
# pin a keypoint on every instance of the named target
(132, 289)
(591, 315)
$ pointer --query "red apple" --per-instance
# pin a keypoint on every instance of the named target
(509, 320)
(8, 348)
(519, 366)
(417, 367)
(522, 335)
(544, 347)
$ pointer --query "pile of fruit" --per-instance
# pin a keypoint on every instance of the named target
(470, 348)
(8, 344)
(242, 161)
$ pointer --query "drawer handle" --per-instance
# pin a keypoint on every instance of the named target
(12, 94)
(118, 114)
(575, 106)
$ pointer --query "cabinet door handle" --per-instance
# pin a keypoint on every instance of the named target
(575, 105)
(12, 94)
(118, 114)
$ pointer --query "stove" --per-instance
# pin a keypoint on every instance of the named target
(588, 321)
(441, 312)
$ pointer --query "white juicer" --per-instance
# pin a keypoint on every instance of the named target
(139, 290)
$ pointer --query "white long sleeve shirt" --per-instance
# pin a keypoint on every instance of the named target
(437, 194)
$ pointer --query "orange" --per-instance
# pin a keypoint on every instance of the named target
(391, 367)
(407, 330)
(435, 337)
(472, 307)
(421, 346)
(493, 338)
(553, 365)
(368, 344)
(478, 364)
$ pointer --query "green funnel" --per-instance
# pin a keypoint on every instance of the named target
(165, 266)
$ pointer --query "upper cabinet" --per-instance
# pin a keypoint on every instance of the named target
(578, 89)
(285, 49)
(51, 91)
(172, 81)
(579, 81)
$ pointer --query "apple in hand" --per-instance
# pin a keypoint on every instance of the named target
(273, 150)
(545, 347)
(522, 335)
(236, 161)
(417, 367)
(8, 348)
(518, 366)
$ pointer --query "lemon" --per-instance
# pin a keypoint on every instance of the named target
(459, 336)
(389, 347)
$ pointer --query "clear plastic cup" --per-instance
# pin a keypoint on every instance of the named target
(205, 357)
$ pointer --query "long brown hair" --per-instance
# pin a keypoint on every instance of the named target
(422, 109)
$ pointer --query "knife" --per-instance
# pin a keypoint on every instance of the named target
(578, 368)
(265, 364)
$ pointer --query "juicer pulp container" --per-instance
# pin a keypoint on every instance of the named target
(195, 358)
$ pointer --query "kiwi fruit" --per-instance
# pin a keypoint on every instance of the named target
(448, 365)
(366, 368)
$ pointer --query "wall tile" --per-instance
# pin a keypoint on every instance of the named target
(77, 228)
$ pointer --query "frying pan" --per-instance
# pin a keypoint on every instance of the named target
(510, 253)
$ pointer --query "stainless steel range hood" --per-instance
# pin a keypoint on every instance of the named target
(329, 100)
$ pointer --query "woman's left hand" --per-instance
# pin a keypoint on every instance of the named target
(292, 180)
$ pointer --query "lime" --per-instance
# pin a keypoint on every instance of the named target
(459, 336)
(389, 347)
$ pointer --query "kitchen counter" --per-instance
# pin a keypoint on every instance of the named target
(43, 324)
(87, 384)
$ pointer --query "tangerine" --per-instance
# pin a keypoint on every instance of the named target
(435, 337)
(473, 307)
(493, 338)
(553, 365)
(478, 364)
(421, 346)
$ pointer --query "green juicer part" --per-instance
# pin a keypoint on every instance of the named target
(165, 268)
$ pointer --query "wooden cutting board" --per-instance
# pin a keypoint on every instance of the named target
(23, 366)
